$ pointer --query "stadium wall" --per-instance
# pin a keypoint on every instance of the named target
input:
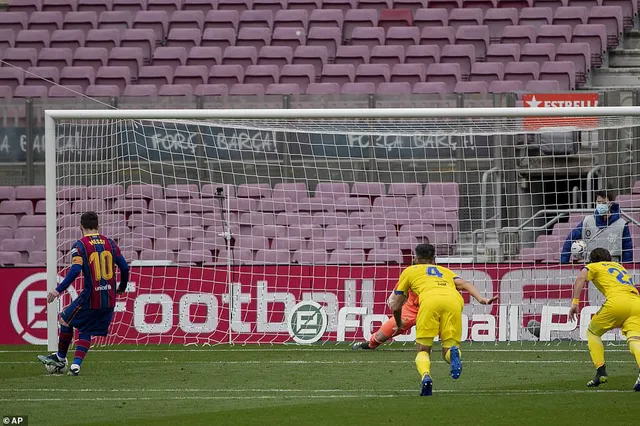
(186, 305)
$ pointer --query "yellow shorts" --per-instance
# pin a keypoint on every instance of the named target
(619, 312)
(440, 315)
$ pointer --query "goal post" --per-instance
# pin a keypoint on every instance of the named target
(232, 219)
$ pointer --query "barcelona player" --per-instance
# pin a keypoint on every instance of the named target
(94, 255)
(621, 309)
(389, 329)
(440, 311)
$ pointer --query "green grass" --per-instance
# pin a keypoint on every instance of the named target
(330, 384)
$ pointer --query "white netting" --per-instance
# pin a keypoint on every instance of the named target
(329, 210)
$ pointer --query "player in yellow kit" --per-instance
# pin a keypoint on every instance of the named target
(440, 312)
(620, 310)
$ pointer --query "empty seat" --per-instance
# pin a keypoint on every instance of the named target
(555, 34)
(79, 76)
(537, 52)
(20, 57)
(11, 77)
(70, 39)
(503, 53)
(31, 92)
(94, 57)
(27, 6)
(221, 38)
(238, 5)
(358, 18)
(471, 87)
(291, 19)
(301, 75)
(313, 55)
(372, 73)
(610, 17)
(338, 73)
(390, 55)
(343, 5)
(16, 207)
(174, 56)
(518, 34)
(49, 21)
(14, 21)
(240, 55)
(42, 76)
(168, 6)
(422, 54)
(156, 20)
(211, 90)
(261, 74)
(536, 16)
(496, 19)
(470, 16)
(256, 37)
(355, 55)
(275, 55)
(36, 39)
(562, 71)
(114, 76)
(105, 38)
(54, 57)
(395, 18)
(326, 18)
(475, 35)
(594, 35)
(117, 19)
(204, 55)
(579, 54)
(140, 90)
(226, 74)
(204, 6)
(330, 37)
(130, 57)
(571, 16)
(445, 4)
(430, 18)
(403, 36)
(440, 36)
(219, 19)
(66, 91)
(145, 39)
(190, 74)
(319, 89)
(184, 37)
(175, 90)
(487, 72)
(288, 37)
(367, 36)
(187, 19)
(103, 91)
(463, 54)
(156, 75)
(7, 38)
(522, 71)
(408, 73)
(449, 74)
(271, 5)
(256, 18)
(537, 86)
(130, 6)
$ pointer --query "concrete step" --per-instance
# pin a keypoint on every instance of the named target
(616, 77)
(624, 58)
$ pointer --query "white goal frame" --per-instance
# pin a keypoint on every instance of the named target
(255, 114)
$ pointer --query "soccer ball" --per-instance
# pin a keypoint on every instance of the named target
(579, 250)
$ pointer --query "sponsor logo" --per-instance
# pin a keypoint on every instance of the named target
(307, 322)
(103, 287)
(560, 100)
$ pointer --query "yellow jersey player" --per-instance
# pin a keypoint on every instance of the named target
(440, 311)
(620, 310)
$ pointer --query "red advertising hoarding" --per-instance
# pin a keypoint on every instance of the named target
(560, 100)
(191, 305)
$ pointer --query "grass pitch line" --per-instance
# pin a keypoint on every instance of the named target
(351, 362)
(340, 395)
(409, 348)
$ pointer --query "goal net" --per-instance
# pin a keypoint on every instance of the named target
(265, 226)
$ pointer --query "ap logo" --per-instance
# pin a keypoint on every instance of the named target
(29, 306)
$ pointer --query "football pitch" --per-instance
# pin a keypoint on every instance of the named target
(517, 384)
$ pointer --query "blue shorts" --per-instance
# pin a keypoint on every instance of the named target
(94, 322)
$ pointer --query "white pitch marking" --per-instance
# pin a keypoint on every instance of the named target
(352, 362)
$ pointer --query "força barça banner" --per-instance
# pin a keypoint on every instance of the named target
(187, 305)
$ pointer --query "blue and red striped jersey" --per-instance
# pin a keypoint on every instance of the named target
(97, 255)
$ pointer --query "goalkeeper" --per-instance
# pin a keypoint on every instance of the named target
(603, 229)
(390, 329)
